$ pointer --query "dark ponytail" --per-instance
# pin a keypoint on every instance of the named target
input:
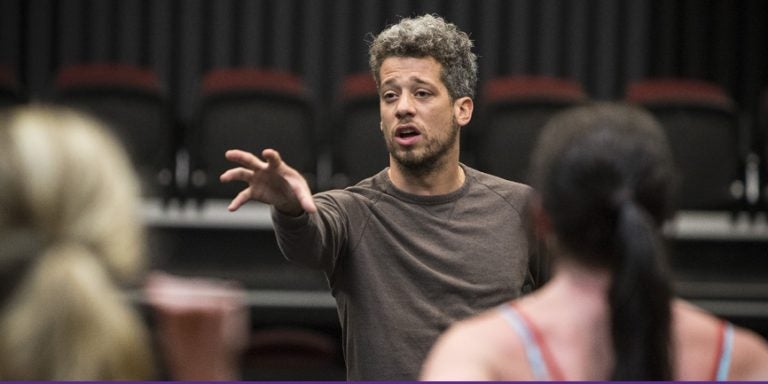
(639, 299)
(606, 178)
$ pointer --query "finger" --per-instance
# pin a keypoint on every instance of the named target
(240, 200)
(240, 173)
(245, 159)
(272, 157)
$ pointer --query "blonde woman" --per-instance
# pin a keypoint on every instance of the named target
(70, 241)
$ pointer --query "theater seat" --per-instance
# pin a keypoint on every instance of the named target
(514, 110)
(10, 90)
(761, 148)
(133, 102)
(293, 353)
(701, 122)
(358, 149)
(250, 109)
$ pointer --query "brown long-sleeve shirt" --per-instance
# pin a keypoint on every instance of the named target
(403, 267)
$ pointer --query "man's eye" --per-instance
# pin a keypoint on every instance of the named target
(389, 95)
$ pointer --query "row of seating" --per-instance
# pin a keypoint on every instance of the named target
(700, 119)
(254, 108)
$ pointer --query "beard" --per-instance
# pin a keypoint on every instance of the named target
(430, 158)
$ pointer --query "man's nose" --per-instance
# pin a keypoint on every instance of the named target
(404, 106)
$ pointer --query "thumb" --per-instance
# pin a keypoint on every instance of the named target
(301, 190)
(308, 203)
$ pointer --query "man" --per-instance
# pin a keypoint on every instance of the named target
(425, 242)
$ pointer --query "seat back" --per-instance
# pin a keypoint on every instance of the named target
(701, 123)
(10, 90)
(514, 110)
(133, 102)
(293, 353)
(761, 148)
(251, 109)
(359, 150)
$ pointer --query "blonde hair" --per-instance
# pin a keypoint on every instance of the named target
(70, 238)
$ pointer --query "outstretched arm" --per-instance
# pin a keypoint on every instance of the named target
(270, 181)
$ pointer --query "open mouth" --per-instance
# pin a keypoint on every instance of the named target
(407, 132)
(407, 135)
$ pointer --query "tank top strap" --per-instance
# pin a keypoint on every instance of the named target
(724, 350)
(540, 361)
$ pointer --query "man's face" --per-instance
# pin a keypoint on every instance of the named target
(417, 113)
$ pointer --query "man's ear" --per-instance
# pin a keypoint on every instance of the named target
(462, 108)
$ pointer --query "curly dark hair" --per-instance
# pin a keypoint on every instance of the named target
(429, 36)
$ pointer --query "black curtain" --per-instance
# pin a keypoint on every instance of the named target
(601, 43)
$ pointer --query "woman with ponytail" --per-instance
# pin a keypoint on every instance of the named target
(604, 177)
(71, 241)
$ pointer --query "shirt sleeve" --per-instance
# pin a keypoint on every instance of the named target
(314, 240)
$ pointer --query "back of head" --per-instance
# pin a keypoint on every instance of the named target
(70, 236)
(605, 176)
(429, 36)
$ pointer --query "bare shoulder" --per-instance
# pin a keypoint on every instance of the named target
(479, 348)
(693, 324)
(697, 333)
(750, 356)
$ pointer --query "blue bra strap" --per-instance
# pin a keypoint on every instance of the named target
(532, 349)
(725, 358)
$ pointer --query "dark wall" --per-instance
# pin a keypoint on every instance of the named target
(602, 43)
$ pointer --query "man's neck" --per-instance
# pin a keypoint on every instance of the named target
(440, 181)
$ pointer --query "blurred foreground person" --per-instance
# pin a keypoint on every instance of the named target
(71, 241)
(202, 326)
(604, 179)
